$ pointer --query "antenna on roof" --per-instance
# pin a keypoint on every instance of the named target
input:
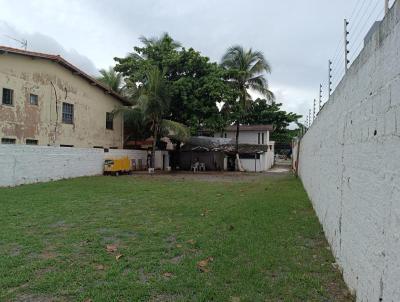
(23, 42)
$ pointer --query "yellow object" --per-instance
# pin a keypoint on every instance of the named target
(116, 166)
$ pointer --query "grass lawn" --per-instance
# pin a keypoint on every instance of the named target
(176, 239)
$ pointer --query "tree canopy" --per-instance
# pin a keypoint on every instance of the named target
(262, 111)
(195, 84)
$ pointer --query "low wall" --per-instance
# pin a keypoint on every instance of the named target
(22, 164)
(262, 164)
(350, 167)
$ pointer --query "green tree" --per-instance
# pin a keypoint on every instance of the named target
(247, 69)
(195, 84)
(112, 79)
(261, 112)
(153, 101)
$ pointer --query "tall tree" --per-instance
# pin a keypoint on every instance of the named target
(247, 69)
(262, 111)
(112, 79)
(153, 101)
(195, 83)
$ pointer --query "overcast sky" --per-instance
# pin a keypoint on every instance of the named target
(296, 36)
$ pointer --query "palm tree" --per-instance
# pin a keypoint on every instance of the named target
(246, 70)
(164, 41)
(111, 79)
(153, 101)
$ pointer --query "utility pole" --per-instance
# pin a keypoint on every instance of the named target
(346, 45)
(329, 78)
(315, 101)
(386, 7)
(320, 97)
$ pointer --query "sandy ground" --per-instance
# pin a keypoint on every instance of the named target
(282, 169)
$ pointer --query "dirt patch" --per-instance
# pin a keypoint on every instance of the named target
(164, 298)
(227, 177)
(43, 271)
(144, 277)
(37, 298)
(176, 259)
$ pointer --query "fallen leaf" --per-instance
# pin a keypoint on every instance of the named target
(119, 256)
(179, 246)
(167, 275)
(203, 264)
(111, 248)
(191, 241)
(204, 269)
(88, 300)
(100, 267)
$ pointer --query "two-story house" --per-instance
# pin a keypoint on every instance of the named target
(45, 100)
(249, 134)
(256, 151)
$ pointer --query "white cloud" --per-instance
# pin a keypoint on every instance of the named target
(42, 43)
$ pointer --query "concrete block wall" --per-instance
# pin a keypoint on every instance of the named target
(22, 164)
(350, 167)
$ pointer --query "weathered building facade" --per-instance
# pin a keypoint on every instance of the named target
(47, 101)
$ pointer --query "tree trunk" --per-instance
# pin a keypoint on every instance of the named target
(153, 150)
(237, 137)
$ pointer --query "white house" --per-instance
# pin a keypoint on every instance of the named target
(256, 151)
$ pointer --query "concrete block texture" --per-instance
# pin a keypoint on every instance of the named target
(349, 163)
(22, 164)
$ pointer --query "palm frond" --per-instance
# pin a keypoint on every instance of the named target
(175, 130)
(112, 79)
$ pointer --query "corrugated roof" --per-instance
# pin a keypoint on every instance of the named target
(58, 59)
(251, 128)
(201, 143)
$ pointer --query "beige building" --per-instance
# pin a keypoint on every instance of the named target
(47, 101)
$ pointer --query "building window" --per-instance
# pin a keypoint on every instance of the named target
(109, 121)
(262, 138)
(8, 95)
(33, 99)
(67, 146)
(98, 147)
(68, 113)
(113, 148)
(31, 141)
(258, 138)
(8, 141)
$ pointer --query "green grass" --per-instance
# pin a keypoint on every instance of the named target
(264, 238)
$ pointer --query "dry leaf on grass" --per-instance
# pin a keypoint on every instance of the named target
(100, 267)
(179, 246)
(167, 275)
(88, 300)
(119, 256)
(111, 248)
(203, 264)
(191, 241)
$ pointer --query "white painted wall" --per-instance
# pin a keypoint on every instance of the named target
(350, 167)
(247, 137)
(22, 164)
(264, 163)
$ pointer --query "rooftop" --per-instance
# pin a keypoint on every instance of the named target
(58, 59)
(251, 128)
